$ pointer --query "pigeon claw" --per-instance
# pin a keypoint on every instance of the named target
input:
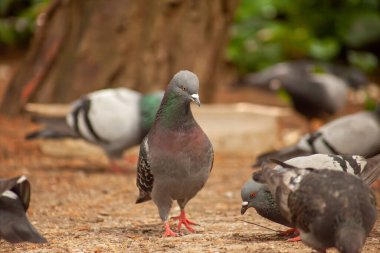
(182, 220)
(168, 231)
(294, 239)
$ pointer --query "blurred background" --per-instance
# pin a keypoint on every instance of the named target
(62, 49)
(283, 55)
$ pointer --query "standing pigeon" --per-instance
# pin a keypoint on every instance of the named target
(316, 89)
(14, 202)
(358, 134)
(330, 208)
(255, 194)
(176, 156)
(114, 119)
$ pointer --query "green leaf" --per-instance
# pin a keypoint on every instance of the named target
(324, 49)
(363, 60)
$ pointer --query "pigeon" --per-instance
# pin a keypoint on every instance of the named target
(176, 156)
(330, 208)
(255, 193)
(357, 133)
(114, 119)
(315, 89)
(14, 202)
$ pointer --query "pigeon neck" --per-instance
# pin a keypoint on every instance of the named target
(174, 112)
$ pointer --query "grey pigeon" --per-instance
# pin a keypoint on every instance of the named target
(316, 89)
(357, 133)
(330, 208)
(114, 119)
(14, 202)
(256, 194)
(176, 156)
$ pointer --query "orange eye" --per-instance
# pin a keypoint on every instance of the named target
(184, 88)
(252, 195)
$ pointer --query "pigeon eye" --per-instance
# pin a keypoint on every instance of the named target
(184, 88)
(252, 195)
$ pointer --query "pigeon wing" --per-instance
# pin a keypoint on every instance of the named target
(144, 176)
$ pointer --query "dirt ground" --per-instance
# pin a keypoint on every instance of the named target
(80, 206)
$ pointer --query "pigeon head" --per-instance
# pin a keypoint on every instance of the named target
(248, 194)
(185, 85)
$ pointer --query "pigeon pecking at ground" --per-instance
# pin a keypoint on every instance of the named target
(176, 156)
(316, 89)
(357, 133)
(114, 119)
(255, 193)
(330, 208)
(14, 202)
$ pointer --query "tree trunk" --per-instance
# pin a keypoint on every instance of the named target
(86, 45)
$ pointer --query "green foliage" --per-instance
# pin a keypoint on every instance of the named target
(269, 31)
(17, 20)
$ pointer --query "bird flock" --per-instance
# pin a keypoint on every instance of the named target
(318, 188)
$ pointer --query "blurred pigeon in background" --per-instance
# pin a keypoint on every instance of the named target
(14, 202)
(114, 119)
(176, 156)
(330, 208)
(315, 89)
(255, 193)
(357, 133)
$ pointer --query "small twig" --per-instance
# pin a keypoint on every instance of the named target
(260, 226)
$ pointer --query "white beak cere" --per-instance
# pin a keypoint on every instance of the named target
(195, 98)
(244, 203)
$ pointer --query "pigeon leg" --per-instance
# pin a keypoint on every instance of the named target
(183, 220)
(315, 124)
(120, 166)
(168, 231)
(115, 167)
(291, 231)
(294, 239)
(131, 160)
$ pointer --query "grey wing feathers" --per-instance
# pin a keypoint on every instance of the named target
(19, 185)
(145, 178)
(371, 172)
(282, 183)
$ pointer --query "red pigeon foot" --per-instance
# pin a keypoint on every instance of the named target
(291, 231)
(183, 220)
(168, 231)
(294, 239)
(131, 160)
(115, 167)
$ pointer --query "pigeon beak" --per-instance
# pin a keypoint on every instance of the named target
(244, 207)
(195, 98)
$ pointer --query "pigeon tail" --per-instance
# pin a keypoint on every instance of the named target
(55, 128)
(349, 237)
(48, 134)
(283, 155)
(372, 170)
(23, 232)
(143, 196)
(259, 80)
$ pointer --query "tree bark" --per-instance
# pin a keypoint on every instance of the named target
(87, 45)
